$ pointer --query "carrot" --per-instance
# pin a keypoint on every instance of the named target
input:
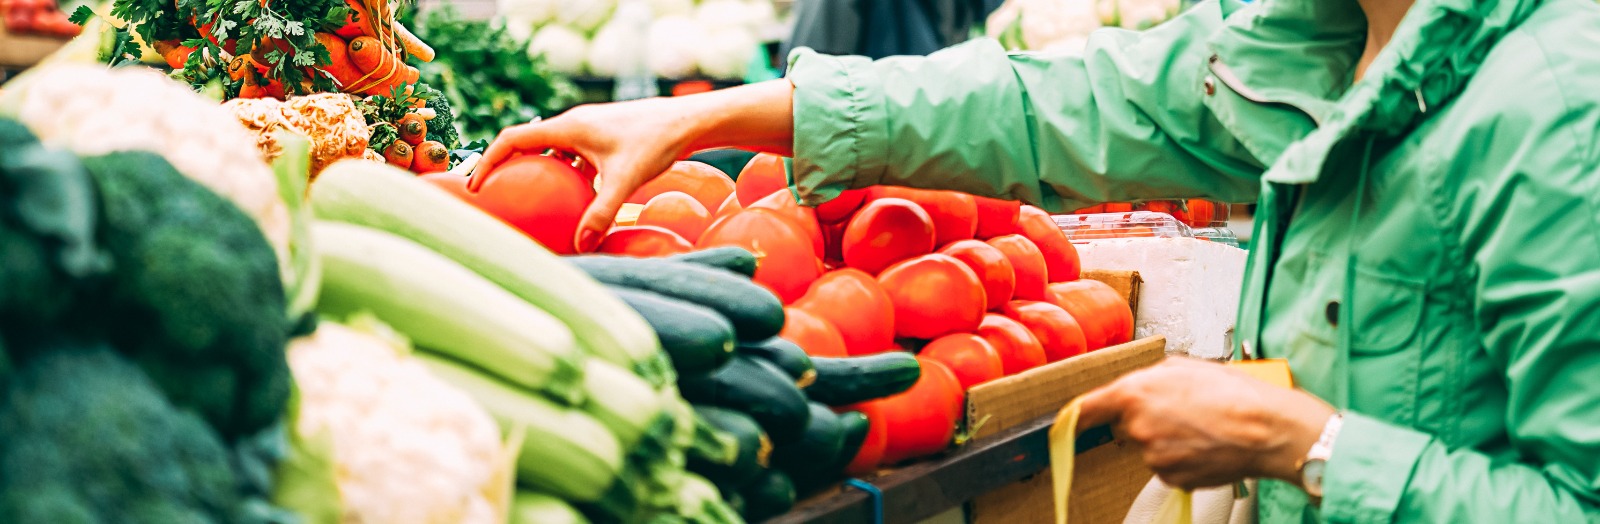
(357, 23)
(176, 55)
(410, 75)
(398, 154)
(413, 129)
(239, 68)
(368, 54)
(339, 66)
(414, 46)
(430, 157)
(251, 90)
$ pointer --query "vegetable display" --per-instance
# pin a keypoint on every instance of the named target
(683, 38)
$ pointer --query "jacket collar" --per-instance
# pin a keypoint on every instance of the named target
(1434, 52)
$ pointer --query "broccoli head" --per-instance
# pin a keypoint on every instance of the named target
(442, 128)
(195, 296)
(47, 225)
(86, 437)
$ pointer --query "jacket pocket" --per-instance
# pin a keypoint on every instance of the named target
(1385, 313)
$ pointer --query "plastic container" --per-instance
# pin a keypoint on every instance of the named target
(1132, 224)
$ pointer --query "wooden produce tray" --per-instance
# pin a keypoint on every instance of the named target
(23, 51)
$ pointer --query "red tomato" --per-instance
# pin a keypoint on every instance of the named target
(1058, 333)
(1169, 207)
(1201, 212)
(972, 359)
(842, 207)
(761, 177)
(805, 217)
(1019, 350)
(1098, 208)
(997, 217)
(855, 304)
(788, 262)
(1118, 207)
(954, 214)
(922, 420)
(991, 265)
(870, 456)
(885, 231)
(1060, 258)
(676, 212)
(812, 333)
(643, 241)
(1027, 262)
(1101, 311)
(729, 206)
(542, 196)
(703, 182)
(451, 183)
(833, 244)
(933, 295)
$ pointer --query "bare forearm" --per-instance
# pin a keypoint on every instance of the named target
(757, 117)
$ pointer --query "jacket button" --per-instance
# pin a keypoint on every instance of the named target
(1211, 86)
(1333, 313)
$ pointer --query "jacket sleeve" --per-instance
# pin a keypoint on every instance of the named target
(1527, 232)
(1123, 120)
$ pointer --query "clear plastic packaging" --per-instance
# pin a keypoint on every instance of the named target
(1140, 224)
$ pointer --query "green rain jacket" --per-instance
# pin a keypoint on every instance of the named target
(1425, 249)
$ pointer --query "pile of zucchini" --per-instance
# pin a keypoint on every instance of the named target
(720, 331)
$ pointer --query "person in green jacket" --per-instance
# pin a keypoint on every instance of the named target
(1426, 254)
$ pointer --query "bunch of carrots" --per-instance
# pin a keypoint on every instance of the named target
(413, 150)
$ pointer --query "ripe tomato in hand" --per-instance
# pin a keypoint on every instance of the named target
(643, 241)
(842, 207)
(1060, 258)
(763, 175)
(954, 214)
(676, 212)
(885, 231)
(705, 183)
(539, 195)
(1019, 350)
(991, 265)
(933, 295)
(1058, 333)
(788, 262)
(814, 334)
(997, 217)
(855, 304)
(922, 420)
(1101, 311)
(1028, 264)
(783, 202)
(972, 359)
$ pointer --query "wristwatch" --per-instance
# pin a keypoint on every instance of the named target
(1316, 461)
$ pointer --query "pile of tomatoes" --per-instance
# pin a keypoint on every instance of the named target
(979, 288)
(1194, 212)
(36, 17)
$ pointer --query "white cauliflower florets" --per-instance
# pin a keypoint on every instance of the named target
(1065, 24)
(530, 12)
(562, 47)
(585, 15)
(93, 110)
(727, 53)
(408, 448)
(675, 44)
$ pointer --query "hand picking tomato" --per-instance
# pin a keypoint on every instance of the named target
(676, 212)
(783, 202)
(643, 242)
(542, 196)
(1058, 333)
(991, 265)
(1019, 350)
(954, 214)
(1028, 264)
(857, 306)
(922, 420)
(997, 217)
(813, 334)
(1060, 258)
(705, 183)
(885, 231)
(763, 175)
(972, 359)
(933, 295)
(1101, 311)
(788, 262)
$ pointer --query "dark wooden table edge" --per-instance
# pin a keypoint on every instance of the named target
(925, 489)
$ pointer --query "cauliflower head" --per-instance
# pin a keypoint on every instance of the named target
(94, 110)
(564, 48)
(330, 120)
(408, 448)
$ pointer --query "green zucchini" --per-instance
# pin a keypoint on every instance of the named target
(537, 508)
(785, 355)
(848, 380)
(696, 338)
(810, 462)
(856, 426)
(756, 388)
(736, 259)
(753, 451)
(770, 495)
(755, 312)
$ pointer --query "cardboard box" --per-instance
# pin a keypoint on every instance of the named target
(1107, 478)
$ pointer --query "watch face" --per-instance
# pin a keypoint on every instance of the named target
(1311, 476)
